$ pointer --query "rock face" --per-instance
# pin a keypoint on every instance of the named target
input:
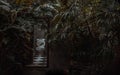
(17, 46)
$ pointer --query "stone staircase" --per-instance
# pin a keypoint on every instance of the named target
(39, 60)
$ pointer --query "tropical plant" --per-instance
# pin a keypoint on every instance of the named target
(89, 29)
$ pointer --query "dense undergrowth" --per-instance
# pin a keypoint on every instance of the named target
(88, 28)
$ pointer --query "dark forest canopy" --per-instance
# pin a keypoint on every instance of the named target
(87, 28)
